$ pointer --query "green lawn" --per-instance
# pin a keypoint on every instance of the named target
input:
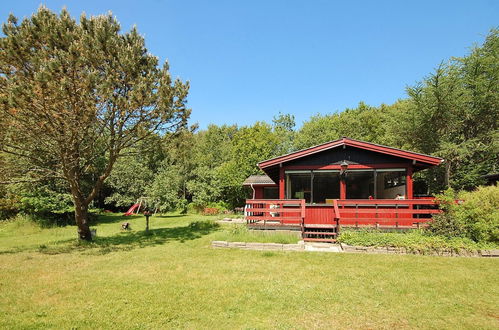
(174, 279)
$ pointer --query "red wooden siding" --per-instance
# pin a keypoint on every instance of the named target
(258, 192)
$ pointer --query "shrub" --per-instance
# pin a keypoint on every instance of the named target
(475, 216)
(210, 208)
(211, 211)
(446, 223)
(8, 207)
(412, 240)
(182, 206)
(203, 225)
(195, 207)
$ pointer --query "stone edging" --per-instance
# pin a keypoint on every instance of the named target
(321, 247)
(258, 246)
(401, 250)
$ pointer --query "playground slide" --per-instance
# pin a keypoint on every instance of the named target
(132, 209)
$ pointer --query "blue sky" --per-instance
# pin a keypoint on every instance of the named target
(250, 60)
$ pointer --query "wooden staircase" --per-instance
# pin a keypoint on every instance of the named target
(320, 233)
(327, 233)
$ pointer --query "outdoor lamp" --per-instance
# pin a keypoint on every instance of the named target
(344, 167)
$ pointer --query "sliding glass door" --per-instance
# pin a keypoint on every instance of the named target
(316, 187)
(360, 184)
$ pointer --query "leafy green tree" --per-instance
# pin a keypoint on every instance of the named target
(206, 187)
(75, 96)
(164, 192)
(212, 148)
(363, 123)
(454, 114)
(283, 126)
(128, 181)
(250, 145)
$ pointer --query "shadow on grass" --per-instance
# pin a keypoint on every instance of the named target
(166, 216)
(112, 218)
(115, 218)
(126, 241)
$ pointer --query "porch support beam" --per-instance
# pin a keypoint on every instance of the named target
(282, 191)
(408, 180)
(343, 189)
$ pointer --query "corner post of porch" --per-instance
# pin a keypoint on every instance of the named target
(343, 189)
(410, 193)
(281, 182)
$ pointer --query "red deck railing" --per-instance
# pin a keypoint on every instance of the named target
(344, 212)
(275, 211)
(385, 212)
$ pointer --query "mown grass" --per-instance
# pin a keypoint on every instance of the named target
(240, 233)
(413, 240)
(172, 278)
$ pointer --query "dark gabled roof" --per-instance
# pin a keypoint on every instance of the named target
(258, 180)
(422, 158)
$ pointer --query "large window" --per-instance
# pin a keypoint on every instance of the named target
(320, 186)
(299, 185)
(360, 184)
(314, 186)
(390, 183)
(326, 185)
(270, 192)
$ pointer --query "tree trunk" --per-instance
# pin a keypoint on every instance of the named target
(447, 173)
(81, 217)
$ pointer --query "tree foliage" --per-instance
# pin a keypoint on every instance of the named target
(476, 216)
(76, 96)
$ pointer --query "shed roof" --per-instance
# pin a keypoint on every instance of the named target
(258, 180)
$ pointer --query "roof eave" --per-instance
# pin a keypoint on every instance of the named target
(431, 160)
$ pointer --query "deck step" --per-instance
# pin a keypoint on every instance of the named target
(308, 239)
(320, 226)
(320, 233)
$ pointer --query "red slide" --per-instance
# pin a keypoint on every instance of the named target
(131, 209)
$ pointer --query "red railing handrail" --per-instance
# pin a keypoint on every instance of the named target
(402, 212)
(336, 210)
(264, 211)
(387, 201)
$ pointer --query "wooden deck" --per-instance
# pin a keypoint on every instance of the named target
(323, 222)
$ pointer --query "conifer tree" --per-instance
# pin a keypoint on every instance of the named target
(76, 96)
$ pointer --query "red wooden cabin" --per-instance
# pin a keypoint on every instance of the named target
(345, 182)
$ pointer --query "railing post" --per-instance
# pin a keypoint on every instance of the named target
(337, 215)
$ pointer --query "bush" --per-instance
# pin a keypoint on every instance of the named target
(9, 207)
(182, 206)
(475, 216)
(203, 225)
(212, 208)
(210, 211)
(415, 240)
